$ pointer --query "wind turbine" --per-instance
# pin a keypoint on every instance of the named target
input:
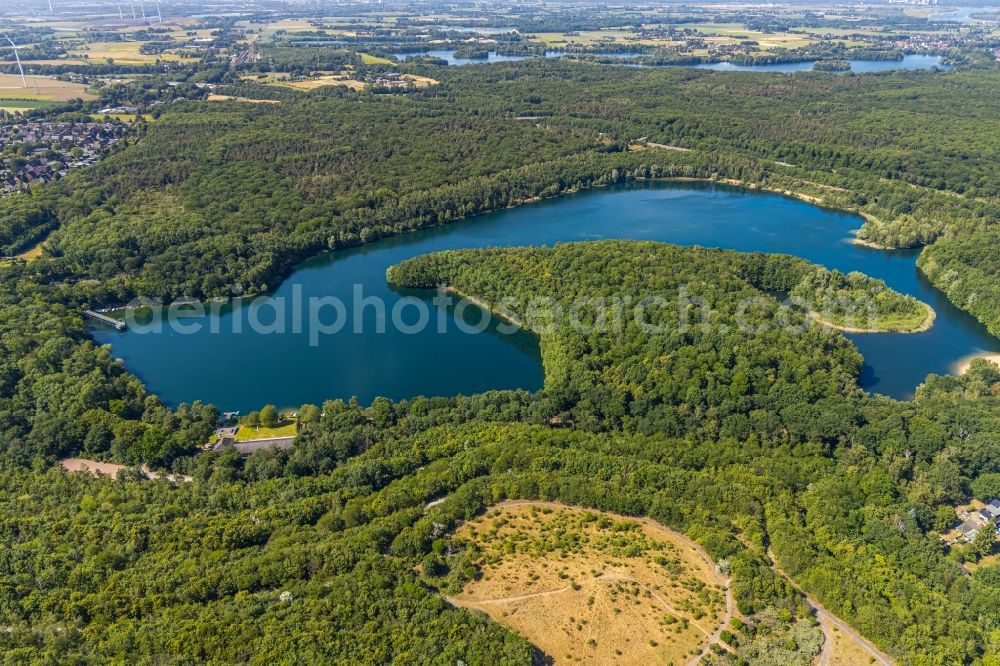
(142, 6)
(159, 17)
(24, 82)
(132, 7)
(121, 16)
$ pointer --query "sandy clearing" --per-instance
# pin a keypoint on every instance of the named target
(111, 470)
(587, 600)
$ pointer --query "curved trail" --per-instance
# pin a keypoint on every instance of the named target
(827, 619)
(726, 582)
(470, 603)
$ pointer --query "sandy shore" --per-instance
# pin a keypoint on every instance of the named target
(925, 326)
(864, 243)
(963, 365)
(506, 316)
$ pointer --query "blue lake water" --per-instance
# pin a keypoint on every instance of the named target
(912, 61)
(857, 66)
(246, 370)
(449, 55)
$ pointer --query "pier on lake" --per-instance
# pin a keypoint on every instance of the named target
(117, 324)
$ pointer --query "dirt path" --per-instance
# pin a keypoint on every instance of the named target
(663, 146)
(726, 619)
(828, 619)
(478, 603)
(713, 638)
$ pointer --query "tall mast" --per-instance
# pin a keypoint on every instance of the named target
(17, 57)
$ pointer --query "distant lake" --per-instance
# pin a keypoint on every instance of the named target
(857, 66)
(912, 61)
(961, 14)
(247, 370)
(493, 56)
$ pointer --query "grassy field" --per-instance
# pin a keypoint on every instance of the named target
(342, 79)
(49, 90)
(14, 98)
(290, 25)
(716, 33)
(124, 53)
(590, 586)
(588, 38)
(21, 105)
(324, 80)
(68, 61)
(124, 117)
(32, 254)
(845, 651)
(369, 59)
(285, 429)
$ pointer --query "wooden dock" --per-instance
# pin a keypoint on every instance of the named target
(117, 324)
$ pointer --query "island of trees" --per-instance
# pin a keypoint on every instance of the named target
(745, 439)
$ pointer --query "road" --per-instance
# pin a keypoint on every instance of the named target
(826, 619)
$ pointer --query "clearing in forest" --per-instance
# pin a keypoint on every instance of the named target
(592, 586)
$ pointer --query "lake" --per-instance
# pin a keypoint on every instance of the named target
(247, 370)
(912, 61)
(857, 66)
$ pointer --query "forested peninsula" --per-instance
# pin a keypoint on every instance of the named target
(745, 442)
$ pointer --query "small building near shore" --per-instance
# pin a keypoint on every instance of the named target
(251, 446)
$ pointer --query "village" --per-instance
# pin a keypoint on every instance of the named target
(39, 152)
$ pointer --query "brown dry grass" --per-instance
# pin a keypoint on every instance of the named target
(845, 651)
(594, 587)
(49, 89)
(31, 254)
(344, 79)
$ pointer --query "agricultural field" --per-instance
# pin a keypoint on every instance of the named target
(731, 33)
(584, 585)
(714, 33)
(124, 53)
(369, 59)
(14, 97)
(587, 38)
(290, 25)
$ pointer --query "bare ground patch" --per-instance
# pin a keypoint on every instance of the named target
(594, 587)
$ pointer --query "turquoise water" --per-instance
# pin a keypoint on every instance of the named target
(246, 370)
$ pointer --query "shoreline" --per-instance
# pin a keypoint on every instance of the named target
(860, 242)
(508, 317)
(925, 326)
(962, 365)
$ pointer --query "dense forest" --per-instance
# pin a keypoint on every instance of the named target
(776, 447)
(742, 438)
(220, 194)
(966, 267)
